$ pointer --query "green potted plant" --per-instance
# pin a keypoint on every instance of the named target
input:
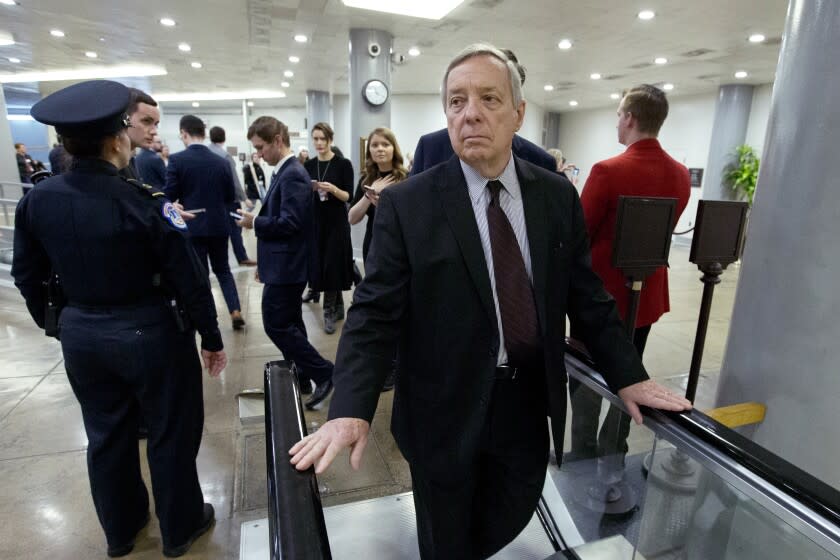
(742, 175)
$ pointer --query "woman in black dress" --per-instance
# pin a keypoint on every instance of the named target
(255, 186)
(332, 183)
(383, 168)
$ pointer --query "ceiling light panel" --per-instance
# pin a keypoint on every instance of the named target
(91, 73)
(219, 96)
(427, 9)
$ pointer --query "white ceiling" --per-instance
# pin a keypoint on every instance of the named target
(245, 44)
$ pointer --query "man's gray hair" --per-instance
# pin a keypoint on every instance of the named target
(486, 49)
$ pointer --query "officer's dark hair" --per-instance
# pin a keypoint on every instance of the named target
(326, 129)
(192, 125)
(137, 97)
(85, 146)
(266, 128)
(649, 105)
(217, 134)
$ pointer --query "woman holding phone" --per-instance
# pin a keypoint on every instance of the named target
(332, 183)
(383, 168)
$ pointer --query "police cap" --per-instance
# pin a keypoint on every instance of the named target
(92, 108)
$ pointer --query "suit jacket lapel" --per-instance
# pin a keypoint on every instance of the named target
(459, 212)
(536, 223)
(275, 179)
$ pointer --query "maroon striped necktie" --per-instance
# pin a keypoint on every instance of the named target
(513, 287)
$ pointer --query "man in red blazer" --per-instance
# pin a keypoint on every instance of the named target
(644, 169)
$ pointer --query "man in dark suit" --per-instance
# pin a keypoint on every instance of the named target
(200, 180)
(285, 248)
(150, 166)
(644, 169)
(435, 147)
(473, 267)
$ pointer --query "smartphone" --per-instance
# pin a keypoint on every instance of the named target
(576, 172)
(235, 216)
(196, 210)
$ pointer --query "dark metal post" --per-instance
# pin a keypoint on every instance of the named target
(711, 276)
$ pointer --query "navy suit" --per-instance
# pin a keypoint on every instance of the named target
(198, 178)
(285, 250)
(435, 148)
(151, 168)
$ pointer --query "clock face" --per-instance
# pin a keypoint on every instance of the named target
(376, 92)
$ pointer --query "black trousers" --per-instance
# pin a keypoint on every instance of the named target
(477, 516)
(122, 362)
(216, 249)
(283, 322)
(587, 442)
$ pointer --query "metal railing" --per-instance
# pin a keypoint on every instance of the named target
(295, 517)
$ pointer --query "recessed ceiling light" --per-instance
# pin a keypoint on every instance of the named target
(284, 84)
(289, 74)
(196, 104)
(250, 104)
(436, 9)
(8, 2)
(102, 39)
(660, 60)
(548, 87)
(184, 47)
(668, 87)
(573, 103)
(91, 54)
(615, 96)
(741, 74)
(294, 59)
(6, 39)
(413, 51)
(168, 22)
(14, 60)
(595, 76)
(57, 33)
(301, 38)
(565, 44)
(757, 38)
(195, 64)
(646, 15)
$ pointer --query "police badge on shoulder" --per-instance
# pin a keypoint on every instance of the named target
(173, 217)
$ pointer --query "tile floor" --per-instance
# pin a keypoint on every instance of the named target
(45, 505)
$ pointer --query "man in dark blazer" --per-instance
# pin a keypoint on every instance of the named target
(473, 268)
(150, 166)
(200, 180)
(285, 248)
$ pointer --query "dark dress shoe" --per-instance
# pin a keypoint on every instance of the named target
(322, 391)
(311, 297)
(126, 548)
(238, 323)
(305, 387)
(329, 324)
(206, 523)
(389, 382)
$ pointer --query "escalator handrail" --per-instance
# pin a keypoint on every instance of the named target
(796, 483)
(295, 516)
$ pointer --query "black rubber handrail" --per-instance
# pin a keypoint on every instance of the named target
(787, 477)
(295, 516)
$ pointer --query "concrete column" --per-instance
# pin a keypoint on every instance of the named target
(551, 136)
(364, 117)
(8, 163)
(784, 329)
(318, 110)
(732, 115)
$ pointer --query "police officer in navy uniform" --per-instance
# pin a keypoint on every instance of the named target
(125, 266)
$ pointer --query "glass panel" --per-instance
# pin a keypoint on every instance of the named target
(623, 493)
(693, 514)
